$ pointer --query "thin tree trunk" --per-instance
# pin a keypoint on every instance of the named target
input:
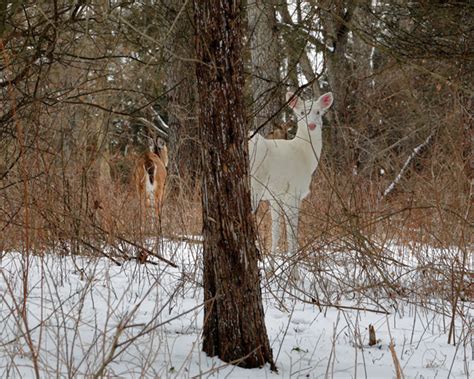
(335, 22)
(183, 146)
(297, 54)
(416, 151)
(234, 327)
(265, 63)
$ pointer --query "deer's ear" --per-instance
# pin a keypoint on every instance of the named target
(292, 99)
(160, 143)
(325, 101)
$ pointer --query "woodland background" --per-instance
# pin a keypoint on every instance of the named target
(397, 166)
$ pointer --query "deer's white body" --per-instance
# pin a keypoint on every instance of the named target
(281, 170)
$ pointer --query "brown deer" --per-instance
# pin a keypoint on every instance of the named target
(151, 169)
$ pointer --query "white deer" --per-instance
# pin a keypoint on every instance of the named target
(281, 170)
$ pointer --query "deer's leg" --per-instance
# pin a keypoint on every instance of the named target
(149, 208)
(291, 210)
(292, 215)
(145, 207)
(154, 210)
(275, 214)
(159, 201)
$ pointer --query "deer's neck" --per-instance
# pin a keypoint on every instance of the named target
(164, 155)
(310, 141)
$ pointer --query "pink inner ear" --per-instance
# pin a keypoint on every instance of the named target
(326, 100)
(293, 102)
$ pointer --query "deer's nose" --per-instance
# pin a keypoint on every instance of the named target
(312, 126)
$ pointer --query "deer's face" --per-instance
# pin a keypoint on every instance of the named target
(160, 143)
(310, 111)
(162, 150)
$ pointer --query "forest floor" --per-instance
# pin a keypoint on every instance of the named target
(87, 316)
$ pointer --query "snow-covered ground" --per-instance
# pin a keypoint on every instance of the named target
(88, 316)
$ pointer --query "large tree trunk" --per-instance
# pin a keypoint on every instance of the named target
(234, 327)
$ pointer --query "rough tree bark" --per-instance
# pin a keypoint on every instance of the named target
(234, 327)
